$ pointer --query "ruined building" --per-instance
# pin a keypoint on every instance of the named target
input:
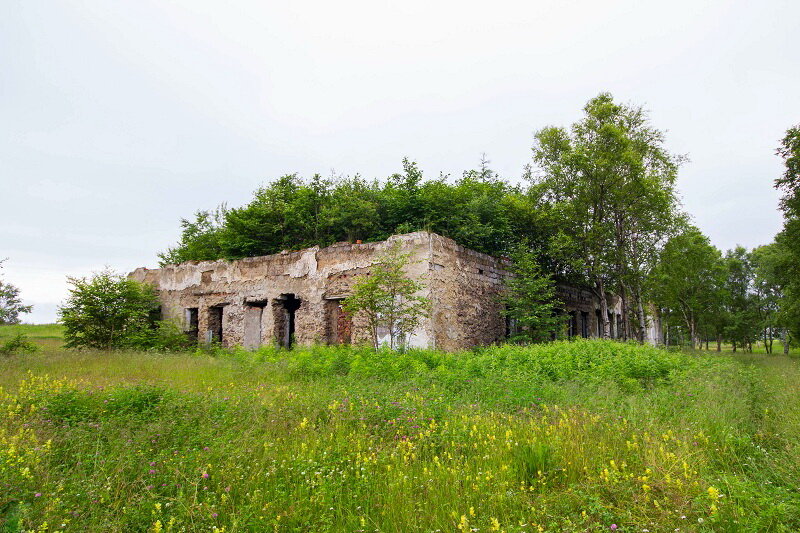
(296, 297)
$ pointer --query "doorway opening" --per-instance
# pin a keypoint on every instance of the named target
(284, 309)
(215, 324)
(585, 324)
(191, 318)
(572, 325)
(339, 324)
(253, 315)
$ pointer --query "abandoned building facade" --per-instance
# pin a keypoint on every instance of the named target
(296, 297)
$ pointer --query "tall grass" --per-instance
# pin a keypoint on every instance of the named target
(566, 436)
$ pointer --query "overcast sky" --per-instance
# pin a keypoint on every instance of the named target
(119, 118)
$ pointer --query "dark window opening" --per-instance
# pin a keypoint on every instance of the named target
(192, 317)
(572, 325)
(284, 311)
(215, 324)
(585, 324)
(612, 325)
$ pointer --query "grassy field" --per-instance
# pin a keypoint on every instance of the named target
(583, 436)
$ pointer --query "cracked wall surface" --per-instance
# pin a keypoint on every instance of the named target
(462, 285)
(464, 288)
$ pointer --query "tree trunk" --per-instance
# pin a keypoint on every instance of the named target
(734, 346)
(641, 315)
(719, 342)
(688, 319)
(374, 330)
(625, 333)
(785, 342)
(601, 291)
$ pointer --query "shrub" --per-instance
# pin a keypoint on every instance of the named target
(18, 344)
(162, 335)
(109, 311)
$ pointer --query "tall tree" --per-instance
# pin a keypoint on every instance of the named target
(743, 319)
(614, 183)
(789, 238)
(687, 279)
(530, 299)
(768, 262)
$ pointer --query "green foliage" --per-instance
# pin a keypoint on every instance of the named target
(612, 184)
(789, 238)
(587, 361)
(388, 299)
(18, 344)
(530, 300)
(741, 302)
(569, 436)
(109, 310)
(688, 279)
(161, 335)
(200, 238)
(478, 210)
(10, 303)
(789, 182)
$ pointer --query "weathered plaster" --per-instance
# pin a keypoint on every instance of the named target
(464, 287)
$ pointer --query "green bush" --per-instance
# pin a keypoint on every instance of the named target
(110, 311)
(18, 344)
(162, 335)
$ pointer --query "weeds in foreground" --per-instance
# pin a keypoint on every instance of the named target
(575, 437)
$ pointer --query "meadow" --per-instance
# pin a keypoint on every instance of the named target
(568, 436)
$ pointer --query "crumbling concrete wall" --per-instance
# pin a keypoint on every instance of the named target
(264, 300)
(253, 292)
(466, 288)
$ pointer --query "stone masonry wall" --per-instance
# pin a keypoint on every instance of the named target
(251, 291)
(253, 296)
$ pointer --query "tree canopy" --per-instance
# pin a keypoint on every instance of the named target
(612, 182)
(789, 239)
(290, 213)
(110, 311)
(597, 207)
(11, 305)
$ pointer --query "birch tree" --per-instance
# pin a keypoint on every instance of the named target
(615, 182)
